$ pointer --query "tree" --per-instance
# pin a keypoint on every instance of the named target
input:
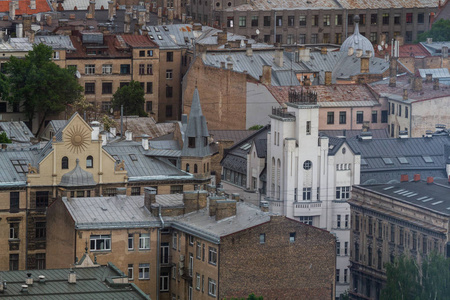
(440, 32)
(4, 138)
(256, 127)
(39, 85)
(132, 98)
(407, 280)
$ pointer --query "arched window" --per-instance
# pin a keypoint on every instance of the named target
(195, 169)
(187, 167)
(65, 163)
(89, 162)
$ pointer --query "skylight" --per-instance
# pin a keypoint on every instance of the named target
(133, 157)
(115, 157)
(20, 165)
(388, 161)
(246, 146)
(427, 159)
(159, 37)
(151, 37)
(156, 29)
(402, 160)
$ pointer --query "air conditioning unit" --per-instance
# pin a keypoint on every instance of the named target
(181, 257)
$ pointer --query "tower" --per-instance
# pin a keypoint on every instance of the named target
(195, 155)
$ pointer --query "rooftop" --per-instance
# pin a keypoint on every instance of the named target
(24, 7)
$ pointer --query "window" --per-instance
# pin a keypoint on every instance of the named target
(373, 37)
(142, 53)
(89, 162)
(373, 19)
(356, 252)
(326, 20)
(149, 88)
(306, 194)
(385, 19)
(130, 241)
(420, 18)
(230, 22)
(338, 222)
(384, 116)
(197, 281)
(342, 192)
(191, 240)
(106, 106)
(326, 38)
(374, 116)
(291, 21)
(106, 87)
(302, 38)
(149, 69)
(338, 38)
(306, 219)
(254, 21)
(290, 39)
(169, 56)
(14, 201)
(302, 20)
(141, 69)
(409, 18)
(100, 242)
(414, 240)
(345, 275)
(106, 69)
(292, 237)
(125, 69)
(369, 256)
(135, 191)
(40, 261)
(41, 199)
(314, 38)
(406, 112)
(89, 69)
(396, 18)
(169, 93)
(130, 271)
(262, 238)
(122, 84)
(65, 163)
(392, 233)
(89, 88)
(342, 117)
(176, 189)
(401, 236)
(266, 20)
(211, 287)
(307, 165)
(212, 258)
(399, 110)
(345, 248)
(169, 74)
(164, 256)
(330, 117)
(174, 240)
(164, 282)
(359, 117)
(338, 248)
(266, 38)
(242, 21)
(338, 20)
(13, 230)
(315, 20)
(199, 250)
(40, 230)
(14, 262)
(424, 245)
(346, 222)
(338, 272)
(144, 271)
(144, 241)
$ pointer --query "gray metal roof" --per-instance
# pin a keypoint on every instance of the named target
(435, 48)
(21, 44)
(77, 177)
(17, 131)
(110, 212)
(376, 133)
(357, 41)
(91, 284)
(10, 174)
(437, 73)
(57, 42)
(57, 124)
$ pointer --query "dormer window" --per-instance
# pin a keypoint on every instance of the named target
(191, 142)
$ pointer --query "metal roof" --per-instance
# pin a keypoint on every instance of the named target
(17, 131)
(91, 284)
(57, 42)
(77, 177)
(437, 73)
(20, 44)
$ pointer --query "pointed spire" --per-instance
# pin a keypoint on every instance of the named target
(196, 109)
(356, 21)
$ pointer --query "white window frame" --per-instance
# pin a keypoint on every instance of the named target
(342, 192)
(212, 287)
(212, 257)
(89, 69)
(107, 69)
(306, 219)
(174, 240)
(306, 196)
(131, 237)
(56, 55)
(199, 250)
(106, 242)
(143, 275)
(144, 241)
(197, 283)
(164, 283)
(169, 74)
(132, 272)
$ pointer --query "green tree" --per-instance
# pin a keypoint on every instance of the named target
(132, 98)
(407, 280)
(440, 32)
(256, 127)
(39, 85)
(4, 138)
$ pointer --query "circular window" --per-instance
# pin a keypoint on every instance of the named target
(229, 4)
(344, 150)
(218, 4)
(307, 165)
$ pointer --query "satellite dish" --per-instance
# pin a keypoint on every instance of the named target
(380, 48)
(257, 31)
(77, 73)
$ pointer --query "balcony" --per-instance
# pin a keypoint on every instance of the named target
(307, 208)
(186, 273)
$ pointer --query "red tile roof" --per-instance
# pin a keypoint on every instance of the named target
(409, 50)
(24, 7)
(136, 41)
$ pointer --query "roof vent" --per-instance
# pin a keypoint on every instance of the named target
(428, 133)
(29, 279)
(72, 276)
(41, 279)
(365, 135)
(24, 289)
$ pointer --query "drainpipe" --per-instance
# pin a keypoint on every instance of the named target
(158, 253)
(121, 121)
(274, 27)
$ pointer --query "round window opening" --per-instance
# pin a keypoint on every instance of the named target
(217, 4)
(307, 165)
(344, 150)
(229, 3)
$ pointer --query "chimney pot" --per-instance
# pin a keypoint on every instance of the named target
(428, 78)
(416, 177)
(404, 178)
(405, 94)
(149, 197)
(430, 180)
(72, 277)
(436, 84)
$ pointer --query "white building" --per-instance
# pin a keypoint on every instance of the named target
(309, 176)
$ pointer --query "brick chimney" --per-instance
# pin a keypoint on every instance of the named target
(222, 38)
(92, 9)
(323, 51)
(417, 84)
(213, 204)
(365, 64)
(12, 9)
(393, 72)
(436, 84)
(405, 94)
(225, 209)
(416, 177)
(404, 178)
(149, 197)
(248, 50)
(194, 200)
(428, 78)
(328, 77)
(110, 10)
(279, 57)
(430, 180)
(266, 77)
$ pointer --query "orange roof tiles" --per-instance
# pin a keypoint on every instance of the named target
(24, 7)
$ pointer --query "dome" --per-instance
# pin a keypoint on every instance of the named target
(357, 40)
(77, 177)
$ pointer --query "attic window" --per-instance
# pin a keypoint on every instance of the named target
(20, 165)
(245, 147)
(159, 37)
(403, 160)
(191, 142)
(205, 141)
(156, 29)
(427, 159)
(151, 37)
(133, 157)
(116, 157)
(165, 28)
(388, 161)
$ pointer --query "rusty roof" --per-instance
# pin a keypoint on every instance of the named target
(110, 42)
(348, 94)
(24, 7)
(370, 4)
(137, 41)
(410, 50)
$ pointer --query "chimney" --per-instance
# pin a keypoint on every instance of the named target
(121, 191)
(213, 204)
(405, 94)
(128, 135)
(323, 51)
(127, 22)
(444, 52)
(222, 65)
(33, 4)
(194, 200)
(328, 77)
(307, 81)
(149, 197)
(104, 139)
(12, 9)
(147, 12)
(24, 289)
(430, 180)
(248, 50)
(26, 23)
(110, 10)
(416, 177)
(279, 57)
(225, 209)
(145, 141)
(197, 27)
(266, 77)
(429, 40)
(92, 9)
(428, 78)
(229, 66)
(235, 197)
(42, 279)
(393, 72)
(305, 54)
(367, 135)
(134, 13)
(29, 279)
(72, 276)
(417, 84)
(170, 13)
(159, 12)
(95, 130)
(428, 133)
(436, 84)
(364, 64)
(404, 178)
